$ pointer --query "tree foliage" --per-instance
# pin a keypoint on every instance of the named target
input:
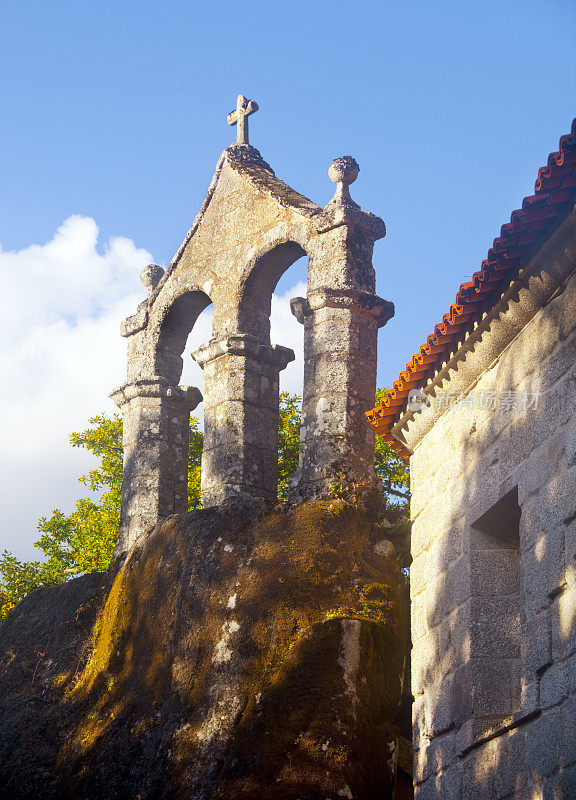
(288, 440)
(392, 470)
(196, 442)
(84, 540)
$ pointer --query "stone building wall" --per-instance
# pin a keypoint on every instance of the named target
(493, 579)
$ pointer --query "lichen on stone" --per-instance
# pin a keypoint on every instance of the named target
(273, 670)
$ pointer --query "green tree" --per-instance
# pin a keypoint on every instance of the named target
(288, 440)
(393, 470)
(83, 541)
(196, 442)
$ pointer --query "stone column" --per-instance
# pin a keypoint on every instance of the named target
(155, 439)
(240, 455)
(341, 317)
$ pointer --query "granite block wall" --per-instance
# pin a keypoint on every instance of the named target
(493, 580)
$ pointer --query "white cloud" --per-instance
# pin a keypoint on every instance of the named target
(61, 356)
(287, 331)
(67, 278)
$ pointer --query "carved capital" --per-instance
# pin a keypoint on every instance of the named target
(243, 345)
(158, 388)
(353, 299)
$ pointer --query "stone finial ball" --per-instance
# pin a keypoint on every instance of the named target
(344, 170)
(151, 275)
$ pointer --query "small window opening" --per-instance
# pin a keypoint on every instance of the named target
(496, 612)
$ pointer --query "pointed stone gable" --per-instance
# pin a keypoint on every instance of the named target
(250, 229)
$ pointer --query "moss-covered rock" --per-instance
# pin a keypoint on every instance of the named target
(233, 655)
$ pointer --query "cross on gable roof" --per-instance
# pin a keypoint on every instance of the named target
(239, 117)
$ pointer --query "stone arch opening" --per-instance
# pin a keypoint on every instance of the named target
(256, 297)
(174, 330)
(156, 413)
(181, 331)
(255, 309)
(202, 332)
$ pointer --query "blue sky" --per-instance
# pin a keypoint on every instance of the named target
(116, 112)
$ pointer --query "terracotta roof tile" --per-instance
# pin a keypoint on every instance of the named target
(541, 213)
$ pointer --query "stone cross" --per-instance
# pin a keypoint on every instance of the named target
(239, 117)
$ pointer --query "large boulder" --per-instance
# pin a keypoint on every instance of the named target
(234, 654)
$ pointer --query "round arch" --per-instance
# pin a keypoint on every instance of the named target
(265, 271)
(173, 330)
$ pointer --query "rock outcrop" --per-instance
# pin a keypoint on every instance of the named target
(234, 654)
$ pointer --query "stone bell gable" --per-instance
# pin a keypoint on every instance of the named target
(250, 229)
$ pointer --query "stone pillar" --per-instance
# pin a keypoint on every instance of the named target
(240, 455)
(155, 439)
(341, 317)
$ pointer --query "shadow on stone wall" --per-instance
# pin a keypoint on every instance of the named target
(484, 736)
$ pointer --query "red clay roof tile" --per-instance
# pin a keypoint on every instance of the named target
(541, 213)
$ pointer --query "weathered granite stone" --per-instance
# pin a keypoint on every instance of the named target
(249, 231)
(496, 486)
(239, 117)
(233, 655)
(241, 399)
(155, 441)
